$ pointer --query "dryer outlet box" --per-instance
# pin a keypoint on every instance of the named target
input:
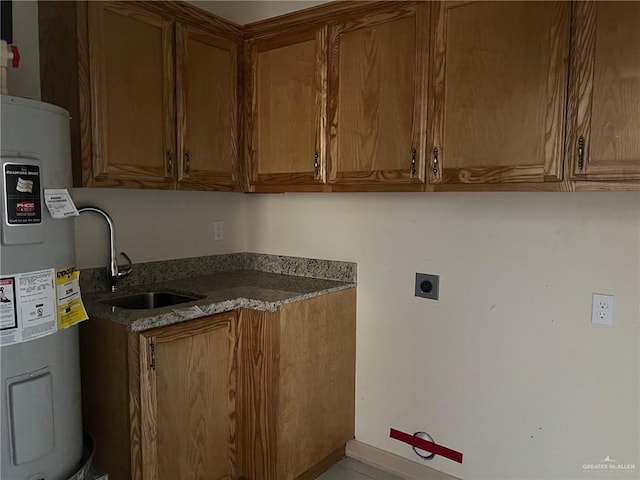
(427, 286)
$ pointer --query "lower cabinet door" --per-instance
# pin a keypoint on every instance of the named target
(188, 411)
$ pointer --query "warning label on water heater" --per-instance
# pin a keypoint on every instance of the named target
(8, 313)
(22, 191)
(29, 299)
(35, 304)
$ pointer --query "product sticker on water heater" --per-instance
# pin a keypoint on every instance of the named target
(22, 192)
(70, 307)
(59, 203)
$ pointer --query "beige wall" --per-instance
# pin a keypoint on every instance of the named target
(158, 225)
(506, 367)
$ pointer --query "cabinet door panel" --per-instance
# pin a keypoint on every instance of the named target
(376, 97)
(131, 75)
(499, 83)
(188, 400)
(605, 97)
(207, 110)
(287, 82)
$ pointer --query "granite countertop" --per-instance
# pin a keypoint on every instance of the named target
(221, 291)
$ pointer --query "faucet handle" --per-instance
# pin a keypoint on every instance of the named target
(126, 270)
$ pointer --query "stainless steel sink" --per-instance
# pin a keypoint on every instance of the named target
(149, 300)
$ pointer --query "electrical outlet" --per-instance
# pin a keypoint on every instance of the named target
(602, 309)
(427, 286)
(218, 230)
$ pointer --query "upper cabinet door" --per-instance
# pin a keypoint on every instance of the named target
(207, 109)
(132, 95)
(499, 81)
(286, 112)
(377, 107)
(604, 114)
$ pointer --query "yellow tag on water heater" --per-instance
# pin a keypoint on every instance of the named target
(70, 307)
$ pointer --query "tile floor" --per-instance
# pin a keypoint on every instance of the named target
(350, 469)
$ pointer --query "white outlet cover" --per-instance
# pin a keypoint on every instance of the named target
(602, 309)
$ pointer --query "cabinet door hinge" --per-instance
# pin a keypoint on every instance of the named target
(152, 355)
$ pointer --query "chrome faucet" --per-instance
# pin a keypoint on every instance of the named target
(115, 272)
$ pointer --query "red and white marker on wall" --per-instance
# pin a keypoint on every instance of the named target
(426, 445)
(9, 56)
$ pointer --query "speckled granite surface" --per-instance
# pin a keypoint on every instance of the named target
(220, 292)
(96, 279)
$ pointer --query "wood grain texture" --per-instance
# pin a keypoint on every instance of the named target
(187, 13)
(58, 55)
(243, 159)
(258, 360)
(376, 96)
(84, 96)
(104, 364)
(189, 400)
(505, 187)
(317, 16)
(135, 419)
(605, 91)
(498, 91)
(604, 186)
(316, 380)
(288, 186)
(287, 430)
(286, 113)
(132, 94)
(148, 407)
(207, 110)
(321, 103)
(286, 100)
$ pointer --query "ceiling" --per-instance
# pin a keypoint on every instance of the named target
(243, 12)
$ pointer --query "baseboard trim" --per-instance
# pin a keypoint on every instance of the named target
(393, 463)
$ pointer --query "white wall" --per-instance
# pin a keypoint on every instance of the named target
(506, 367)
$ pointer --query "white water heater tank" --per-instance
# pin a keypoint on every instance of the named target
(40, 399)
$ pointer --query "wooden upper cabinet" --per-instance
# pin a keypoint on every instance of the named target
(604, 113)
(499, 78)
(131, 74)
(206, 86)
(286, 85)
(377, 98)
(151, 88)
(187, 396)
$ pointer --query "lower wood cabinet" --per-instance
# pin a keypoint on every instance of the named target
(188, 400)
(296, 387)
(245, 394)
(161, 404)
